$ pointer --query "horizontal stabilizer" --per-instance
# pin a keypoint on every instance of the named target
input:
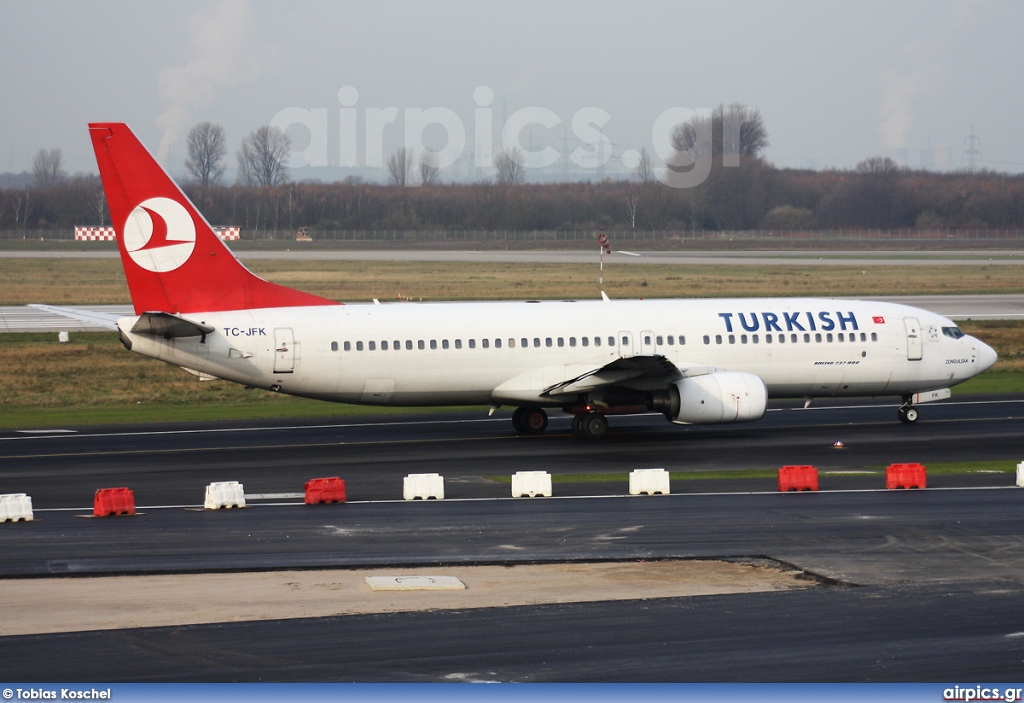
(163, 324)
(89, 317)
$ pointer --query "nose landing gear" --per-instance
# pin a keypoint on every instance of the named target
(907, 412)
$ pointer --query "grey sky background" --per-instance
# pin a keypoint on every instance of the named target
(835, 82)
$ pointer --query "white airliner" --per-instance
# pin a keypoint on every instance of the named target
(696, 361)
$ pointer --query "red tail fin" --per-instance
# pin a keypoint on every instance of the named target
(173, 260)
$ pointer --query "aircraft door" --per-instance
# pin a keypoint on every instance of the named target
(625, 343)
(914, 346)
(647, 343)
(284, 350)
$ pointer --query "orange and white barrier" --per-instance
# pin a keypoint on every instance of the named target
(107, 234)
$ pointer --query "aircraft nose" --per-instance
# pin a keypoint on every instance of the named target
(986, 357)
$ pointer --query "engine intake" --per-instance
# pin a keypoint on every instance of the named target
(723, 396)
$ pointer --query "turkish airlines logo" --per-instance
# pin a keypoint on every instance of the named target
(159, 235)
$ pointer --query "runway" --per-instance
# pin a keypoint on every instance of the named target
(927, 585)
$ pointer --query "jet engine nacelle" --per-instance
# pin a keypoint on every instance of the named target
(722, 396)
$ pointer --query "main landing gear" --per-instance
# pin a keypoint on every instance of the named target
(585, 425)
(529, 420)
(589, 425)
(907, 412)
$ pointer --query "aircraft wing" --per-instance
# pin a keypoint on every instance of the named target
(557, 383)
(630, 370)
(91, 317)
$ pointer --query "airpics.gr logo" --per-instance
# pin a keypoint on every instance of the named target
(159, 234)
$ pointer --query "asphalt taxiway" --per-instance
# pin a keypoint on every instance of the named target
(918, 585)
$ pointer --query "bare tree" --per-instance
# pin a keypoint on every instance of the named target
(99, 206)
(736, 130)
(400, 166)
(429, 171)
(46, 168)
(207, 146)
(644, 171)
(632, 200)
(509, 165)
(261, 158)
(882, 165)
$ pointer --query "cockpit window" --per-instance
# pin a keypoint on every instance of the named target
(953, 332)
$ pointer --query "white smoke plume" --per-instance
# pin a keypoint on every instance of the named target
(218, 58)
(900, 92)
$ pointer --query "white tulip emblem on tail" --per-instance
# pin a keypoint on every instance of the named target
(160, 235)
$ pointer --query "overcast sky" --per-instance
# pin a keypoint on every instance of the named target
(835, 82)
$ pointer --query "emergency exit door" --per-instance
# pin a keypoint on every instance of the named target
(284, 350)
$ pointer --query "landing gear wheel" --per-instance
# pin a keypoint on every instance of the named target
(591, 425)
(517, 420)
(531, 420)
(908, 415)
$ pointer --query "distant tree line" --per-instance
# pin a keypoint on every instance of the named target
(740, 191)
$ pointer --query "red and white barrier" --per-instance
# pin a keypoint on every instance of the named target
(325, 490)
(905, 476)
(113, 501)
(106, 234)
(798, 478)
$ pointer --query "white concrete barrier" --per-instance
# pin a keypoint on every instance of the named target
(1020, 474)
(531, 483)
(423, 486)
(15, 507)
(649, 481)
(224, 494)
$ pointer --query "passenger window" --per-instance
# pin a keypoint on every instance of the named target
(842, 338)
(718, 339)
(743, 338)
(444, 343)
(863, 337)
(408, 344)
(472, 344)
(682, 340)
(754, 338)
(572, 341)
(497, 343)
(420, 345)
(485, 343)
(359, 346)
(334, 346)
(348, 346)
(585, 340)
(384, 346)
(611, 342)
(397, 346)
(647, 339)
(671, 340)
(767, 339)
(525, 342)
(874, 336)
(458, 344)
(373, 346)
(732, 339)
(707, 339)
(807, 337)
(817, 336)
(433, 344)
(597, 341)
(547, 341)
(561, 341)
(828, 337)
